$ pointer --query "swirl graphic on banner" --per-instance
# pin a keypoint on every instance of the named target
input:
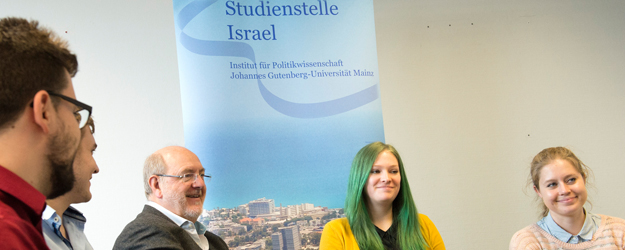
(241, 49)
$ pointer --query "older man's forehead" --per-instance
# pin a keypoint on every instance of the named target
(183, 164)
(190, 169)
(177, 155)
(179, 160)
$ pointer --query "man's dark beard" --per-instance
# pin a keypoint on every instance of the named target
(61, 170)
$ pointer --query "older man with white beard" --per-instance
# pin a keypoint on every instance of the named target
(175, 186)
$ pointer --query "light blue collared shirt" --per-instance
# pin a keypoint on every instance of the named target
(591, 224)
(74, 223)
(196, 230)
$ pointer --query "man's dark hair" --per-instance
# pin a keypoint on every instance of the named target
(31, 59)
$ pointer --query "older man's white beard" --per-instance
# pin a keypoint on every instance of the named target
(181, 202)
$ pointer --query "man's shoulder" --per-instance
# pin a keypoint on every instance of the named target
(11, 223)
(150, 229)
(73, 213)
(16, 233)
(12, 207)
(7, 209)
(215, 242)
(150, 219)
(11, 220)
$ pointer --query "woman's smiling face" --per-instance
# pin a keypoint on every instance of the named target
(384, 179)
(562, 189)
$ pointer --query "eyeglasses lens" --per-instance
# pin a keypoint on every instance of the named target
(82, 116)
(193, 177)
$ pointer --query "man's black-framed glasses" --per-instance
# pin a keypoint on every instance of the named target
(83, 113)
(188, 177)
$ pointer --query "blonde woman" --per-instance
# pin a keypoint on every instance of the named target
(559, 179)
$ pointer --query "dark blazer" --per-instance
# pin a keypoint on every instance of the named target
(154, 230)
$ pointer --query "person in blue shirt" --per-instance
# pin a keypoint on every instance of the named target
(63, 226)
(559, 179)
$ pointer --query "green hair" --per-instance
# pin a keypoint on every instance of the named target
(405, 213)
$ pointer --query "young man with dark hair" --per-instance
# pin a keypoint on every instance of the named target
(40, 122)
(64, 225)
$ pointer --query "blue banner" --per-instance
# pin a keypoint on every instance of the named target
(278, 96)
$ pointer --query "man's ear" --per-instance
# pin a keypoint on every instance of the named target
(43, 108)
(155, 185)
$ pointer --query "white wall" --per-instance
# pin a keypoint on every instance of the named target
(467, 105)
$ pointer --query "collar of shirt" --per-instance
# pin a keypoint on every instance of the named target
(389, 238)
(591, 224)
(12, 184)
(52, 219)
(74, 222)
(74, 214)
(181, 222)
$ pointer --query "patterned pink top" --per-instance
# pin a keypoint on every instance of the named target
(610, 235)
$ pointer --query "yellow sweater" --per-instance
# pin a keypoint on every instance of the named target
(338, 235)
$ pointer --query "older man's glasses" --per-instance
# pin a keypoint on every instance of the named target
(82, 114)
(188, 177)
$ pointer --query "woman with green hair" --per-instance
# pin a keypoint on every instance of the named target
(380, 211)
